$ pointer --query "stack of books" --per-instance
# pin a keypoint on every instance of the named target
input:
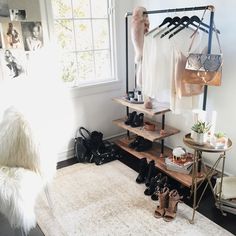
(183, 166)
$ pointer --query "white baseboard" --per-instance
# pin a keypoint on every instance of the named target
(68, 154)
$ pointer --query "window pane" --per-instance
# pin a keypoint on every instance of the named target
(83, 35)
(64, 34)
(81, 8)
(101, 34)
(99, 8)
(69, 67)
(62, 8)
(86, 65)
(102, 64)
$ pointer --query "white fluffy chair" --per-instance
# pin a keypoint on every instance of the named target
(26, 166)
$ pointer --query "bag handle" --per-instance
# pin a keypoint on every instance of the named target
(84, 133)
(195, 33)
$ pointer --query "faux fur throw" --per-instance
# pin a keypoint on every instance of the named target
(19, 189)
(17, 145)
(23, 145)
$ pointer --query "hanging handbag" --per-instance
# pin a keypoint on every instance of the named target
(202, 68)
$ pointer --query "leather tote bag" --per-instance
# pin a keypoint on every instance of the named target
(204, 69)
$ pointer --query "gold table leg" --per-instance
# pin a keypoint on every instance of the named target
(194, 181)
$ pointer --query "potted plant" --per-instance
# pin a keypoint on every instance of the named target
(219, 140)
(199, 132)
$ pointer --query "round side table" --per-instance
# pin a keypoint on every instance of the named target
(198, 150)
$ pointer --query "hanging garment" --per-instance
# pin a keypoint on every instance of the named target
(139, 26)
(162, 70)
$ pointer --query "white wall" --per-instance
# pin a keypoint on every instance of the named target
(90, 107)
(220, 98)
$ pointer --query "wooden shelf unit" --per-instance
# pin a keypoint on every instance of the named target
(140, 107)
(154, 154)
(150, 135)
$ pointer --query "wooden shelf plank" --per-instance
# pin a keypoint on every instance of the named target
(154, 154)
(150, 135)
(140, 107)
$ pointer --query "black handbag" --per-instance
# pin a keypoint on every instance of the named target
(86, 146)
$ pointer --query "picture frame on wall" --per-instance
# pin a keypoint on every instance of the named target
(32, 35)
(17, 15)
(1, 37)
(12, 35)
(13, 63)
(4, 8)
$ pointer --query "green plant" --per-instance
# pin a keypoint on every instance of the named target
(220, 135)
(201, 127)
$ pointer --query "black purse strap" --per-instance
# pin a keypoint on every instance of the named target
(84, 133)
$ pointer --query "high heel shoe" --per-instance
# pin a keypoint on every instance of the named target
(174, 199)
(163, 202)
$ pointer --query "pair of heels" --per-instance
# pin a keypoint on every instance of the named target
(140, 144)
(168, 202)
(135, 119)
(146, 171)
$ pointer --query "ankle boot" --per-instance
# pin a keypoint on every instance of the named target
(138, 120)
(136, 142)
(163, 182)
(153, 183)
(163, 202)
(130, 118)
(152, 171)
(143, 168)
(170, 211)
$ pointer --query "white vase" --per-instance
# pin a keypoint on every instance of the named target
(199, 138)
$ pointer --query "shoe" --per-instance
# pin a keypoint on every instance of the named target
(143, 168)
(136, 142)
(152, 171)
(163, 182)
(137, 120)
(153, 183)
(163, 202)
(143, 145)
(130, 118)
(174, 199)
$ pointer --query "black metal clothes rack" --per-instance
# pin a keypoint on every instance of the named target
(200, 8)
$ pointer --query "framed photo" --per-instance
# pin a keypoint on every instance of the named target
(13, 63)
(1, 38)
(32, 35)
(4, 9)
(17, 15)
(12, 35)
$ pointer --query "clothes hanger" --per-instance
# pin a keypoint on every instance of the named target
(173, 21)
(165, 21)
(181, 22)
(190, 22)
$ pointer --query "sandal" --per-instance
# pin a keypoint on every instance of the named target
(163, 202)
(174, 199)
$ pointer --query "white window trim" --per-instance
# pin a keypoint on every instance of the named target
(87, 88)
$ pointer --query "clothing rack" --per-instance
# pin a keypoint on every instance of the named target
(200, 8)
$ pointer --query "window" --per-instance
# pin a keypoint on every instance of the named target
(83, 32)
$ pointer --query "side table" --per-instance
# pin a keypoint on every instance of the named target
(198, 149)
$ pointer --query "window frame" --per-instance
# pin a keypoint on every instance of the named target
(112, 82)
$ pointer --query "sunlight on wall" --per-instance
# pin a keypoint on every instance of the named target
(42, 99)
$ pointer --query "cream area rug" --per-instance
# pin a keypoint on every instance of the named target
(105, 200)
